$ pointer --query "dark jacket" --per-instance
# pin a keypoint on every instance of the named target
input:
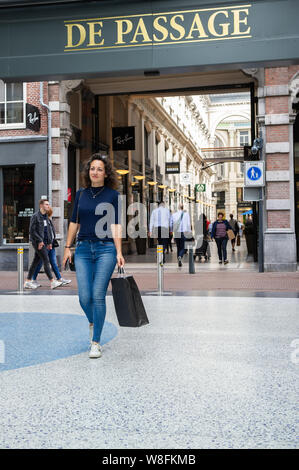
(234, 225)
(36, 229)
(213, 233)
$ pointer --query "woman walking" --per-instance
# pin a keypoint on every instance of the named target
(219, 233)
(52, 257)
(98, 249)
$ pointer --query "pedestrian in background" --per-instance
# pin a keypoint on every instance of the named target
(41, 237)
(98, 248)
(52, 257)
(169, 243)
(181, 227)
(161, 225)
(235, 228)
(219, 234)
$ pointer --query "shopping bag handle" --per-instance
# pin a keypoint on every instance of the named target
(121, 271)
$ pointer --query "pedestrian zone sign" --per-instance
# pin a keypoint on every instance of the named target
(254, 174)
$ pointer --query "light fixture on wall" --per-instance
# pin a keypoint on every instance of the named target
(171, 190)
(152, 183)
(122, 172)
(139, 177)
(162, 186)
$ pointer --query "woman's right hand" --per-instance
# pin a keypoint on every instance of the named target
(67, 256)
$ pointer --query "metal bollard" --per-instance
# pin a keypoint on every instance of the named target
(160, 268)
(20, 263)
(191, 261)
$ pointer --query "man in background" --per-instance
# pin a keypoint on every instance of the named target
(161, 225)
(41, 237)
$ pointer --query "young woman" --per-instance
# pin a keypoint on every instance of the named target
(52, 258)
(219, 233)
(96, 213)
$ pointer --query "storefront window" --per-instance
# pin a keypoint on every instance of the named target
(11, 104)
(18, 203)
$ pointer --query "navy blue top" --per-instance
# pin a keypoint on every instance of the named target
(105, 205)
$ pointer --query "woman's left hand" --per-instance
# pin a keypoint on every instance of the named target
(120, 260)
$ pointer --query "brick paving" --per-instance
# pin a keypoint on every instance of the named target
(241, 274)
(180, 282)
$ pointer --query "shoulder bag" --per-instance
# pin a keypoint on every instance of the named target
(72, 263)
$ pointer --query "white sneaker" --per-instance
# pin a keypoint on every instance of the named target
(95, 351)
(36, 283)
(55, 284)
(90, 333)
(65, 282)
(30, 285)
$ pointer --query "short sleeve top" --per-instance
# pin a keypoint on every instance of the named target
(97, 211)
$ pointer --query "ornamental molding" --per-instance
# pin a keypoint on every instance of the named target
(294, 88)
(252, 72)
(67, 86)
(65, 134)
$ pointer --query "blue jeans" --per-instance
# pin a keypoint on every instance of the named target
(95, 262)
(53, 262)
(221, 245)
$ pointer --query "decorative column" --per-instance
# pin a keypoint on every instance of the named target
(280, 240)
(61, 133)
(276, 123)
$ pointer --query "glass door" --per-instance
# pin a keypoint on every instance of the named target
(18, 203)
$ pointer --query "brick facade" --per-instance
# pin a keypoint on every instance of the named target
(277, 161)
(278, 190)
(279, 219)
(32, 97)
(278, 133)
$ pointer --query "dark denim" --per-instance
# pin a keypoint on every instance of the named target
(221, 245)
(53, 262)
(95, 262)
(180, 243)
(41, 256)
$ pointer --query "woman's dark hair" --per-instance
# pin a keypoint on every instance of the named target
(220, 213)
(110, 179)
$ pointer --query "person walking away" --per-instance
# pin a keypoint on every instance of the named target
(249, 235)
(98, 248)
(52, 257)
(42, 239)
(241, 228)
(161, 225)
(181, 226)
(235, 228)
(219, 234)
(169, 241)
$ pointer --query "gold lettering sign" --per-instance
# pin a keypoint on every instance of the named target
(179, 27)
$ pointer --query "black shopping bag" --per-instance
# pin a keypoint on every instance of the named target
(128, 303)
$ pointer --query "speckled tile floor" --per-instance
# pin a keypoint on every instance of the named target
(207, 372)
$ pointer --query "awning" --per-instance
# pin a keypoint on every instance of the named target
(247, 212)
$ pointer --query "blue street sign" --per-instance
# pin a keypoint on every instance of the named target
(254, 173)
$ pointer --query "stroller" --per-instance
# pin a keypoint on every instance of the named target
(202, 250)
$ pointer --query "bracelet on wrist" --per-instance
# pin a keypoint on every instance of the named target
(67, 246)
